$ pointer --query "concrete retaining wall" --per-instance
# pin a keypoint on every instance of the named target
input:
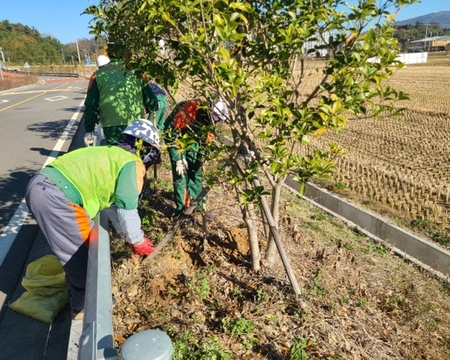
(418, 250)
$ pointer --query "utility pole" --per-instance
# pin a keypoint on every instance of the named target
(3, 63)
(78, 51)
(1, 66)
(430, 42)
(3, 56)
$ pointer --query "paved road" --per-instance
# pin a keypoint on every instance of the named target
(36, 124)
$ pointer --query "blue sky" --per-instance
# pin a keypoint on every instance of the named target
(60, 18)
(63, 19)
(422, 8)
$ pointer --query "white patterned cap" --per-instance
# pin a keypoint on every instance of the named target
(145, 130)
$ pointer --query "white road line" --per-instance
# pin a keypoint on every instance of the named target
(11, 230)
(48, 91)
(56, 98)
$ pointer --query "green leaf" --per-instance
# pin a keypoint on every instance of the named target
(240, 6)
(369, 40)
(225, 55)
(302, 189)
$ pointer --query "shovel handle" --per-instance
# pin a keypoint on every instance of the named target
(177, 224)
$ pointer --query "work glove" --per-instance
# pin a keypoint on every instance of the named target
(89, 139)
(145, 247)
(210, 138)
(181, 167)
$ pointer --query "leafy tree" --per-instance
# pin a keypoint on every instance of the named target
(21, 43)
(289, 70)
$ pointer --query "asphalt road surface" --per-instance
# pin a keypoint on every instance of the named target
(37, 123)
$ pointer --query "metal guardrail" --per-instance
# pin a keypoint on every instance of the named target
(41, 73)
(97, 340)
(74, 75)
(97, 337)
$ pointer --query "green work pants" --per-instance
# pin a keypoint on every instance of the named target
(187, 187)
(158, 117)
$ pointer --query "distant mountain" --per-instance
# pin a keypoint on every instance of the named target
(441, 17)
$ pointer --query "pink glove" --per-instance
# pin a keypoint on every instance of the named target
(145, 247)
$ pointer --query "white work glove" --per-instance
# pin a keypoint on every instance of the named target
(181, 167)
(89, 139)
(249, 155)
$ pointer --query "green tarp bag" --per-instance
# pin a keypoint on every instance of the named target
(45, 285)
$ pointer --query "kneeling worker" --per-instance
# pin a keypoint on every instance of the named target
(65, 196)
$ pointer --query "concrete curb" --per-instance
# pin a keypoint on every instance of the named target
(76, 328)
(21, 88)
(421, 252)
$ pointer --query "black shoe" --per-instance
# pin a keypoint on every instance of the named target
(189, 220)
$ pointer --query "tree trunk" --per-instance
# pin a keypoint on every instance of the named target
(271, 250)
(249, 218)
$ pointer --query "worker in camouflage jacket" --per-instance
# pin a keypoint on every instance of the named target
(190, 117)
(115, 97)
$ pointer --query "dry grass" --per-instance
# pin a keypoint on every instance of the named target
(11, 80)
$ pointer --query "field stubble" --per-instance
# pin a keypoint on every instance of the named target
(399, 166)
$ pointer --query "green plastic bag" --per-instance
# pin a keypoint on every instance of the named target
(45, 285)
